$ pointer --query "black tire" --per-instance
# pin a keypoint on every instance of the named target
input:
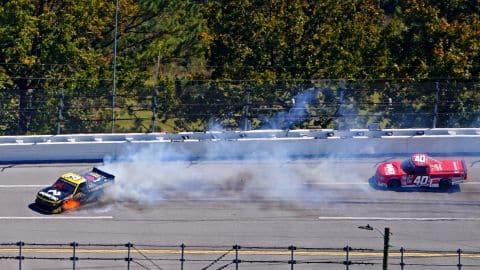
(445, 184)
(394, 184)
(57, 210)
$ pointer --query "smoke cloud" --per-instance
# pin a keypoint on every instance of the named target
(165, 171)
(156, 174)
(286, 119)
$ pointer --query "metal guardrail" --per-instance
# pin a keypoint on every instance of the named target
(238, 135)
(239, 144)
(136, 256)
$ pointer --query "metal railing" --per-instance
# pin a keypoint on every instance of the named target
(137, 256)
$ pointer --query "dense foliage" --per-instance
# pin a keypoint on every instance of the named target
(196, 65)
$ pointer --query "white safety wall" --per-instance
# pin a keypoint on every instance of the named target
(261, 143)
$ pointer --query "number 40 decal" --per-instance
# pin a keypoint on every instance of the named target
(420, 158)
(421, 180)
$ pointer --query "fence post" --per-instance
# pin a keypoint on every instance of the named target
(347, 261)
(435, 108)
(459, 264)
(386, 245)
(154, 109)
(60, 111)
(129, 258)
(402, 263)
(292, 261)
(246, 117)
(340, 113)
(236, 261)
(182, 258)
(74, 258)
(20, 257)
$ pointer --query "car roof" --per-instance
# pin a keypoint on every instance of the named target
(73, 178)
(420, 159)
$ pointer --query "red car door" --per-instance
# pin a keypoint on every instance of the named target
(420, 177)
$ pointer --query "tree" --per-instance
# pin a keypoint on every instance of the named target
(160, 42)
(284, 47)
(55, 48)
(428, 41)
(47, 48)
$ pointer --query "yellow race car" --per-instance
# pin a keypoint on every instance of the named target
(71, 190)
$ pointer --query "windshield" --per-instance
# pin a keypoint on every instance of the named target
(64, 186)
(407, 166)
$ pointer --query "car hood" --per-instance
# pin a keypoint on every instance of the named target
(390, 168)
(52, 194)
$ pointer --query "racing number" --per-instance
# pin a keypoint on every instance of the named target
(421, 180)
(76, 177)
(54, 192)
(420, 158)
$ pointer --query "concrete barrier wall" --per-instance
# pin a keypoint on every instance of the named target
(248, 144)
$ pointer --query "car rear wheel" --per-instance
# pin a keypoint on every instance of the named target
(445, 184)
(394, 184)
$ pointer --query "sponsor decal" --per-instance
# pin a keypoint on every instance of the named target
(52, 196)
(389, 169)
(93, 177)
(437, 167)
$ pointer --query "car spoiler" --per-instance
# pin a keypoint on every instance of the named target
(103, 173)
(464, 167)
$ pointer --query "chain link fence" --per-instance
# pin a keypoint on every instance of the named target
(241, 105)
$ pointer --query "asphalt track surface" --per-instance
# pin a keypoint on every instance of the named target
(316, 205)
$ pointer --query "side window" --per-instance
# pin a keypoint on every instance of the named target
(90, 184)
(421, 170)
(407, 166)
(410, 170)
(82, 188)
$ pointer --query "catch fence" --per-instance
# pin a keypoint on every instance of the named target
(22, 255)
(189, 105)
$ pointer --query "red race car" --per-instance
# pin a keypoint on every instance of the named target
(420, 170)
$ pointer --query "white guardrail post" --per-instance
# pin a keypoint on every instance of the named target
(238, 144)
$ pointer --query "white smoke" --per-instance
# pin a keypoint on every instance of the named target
(168, 171)
(155, 174)
(299, 110)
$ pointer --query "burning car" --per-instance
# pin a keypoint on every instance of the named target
(71, 190)
(421, 170)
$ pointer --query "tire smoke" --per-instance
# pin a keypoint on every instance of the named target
(155, 174)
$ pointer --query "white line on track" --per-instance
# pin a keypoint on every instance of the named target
(22, 186)
(56, 217)
(336, 183)
(315, 183)
(365, 183)
(402, 218)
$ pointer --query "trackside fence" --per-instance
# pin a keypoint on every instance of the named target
(23, 255)
(186, 105)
